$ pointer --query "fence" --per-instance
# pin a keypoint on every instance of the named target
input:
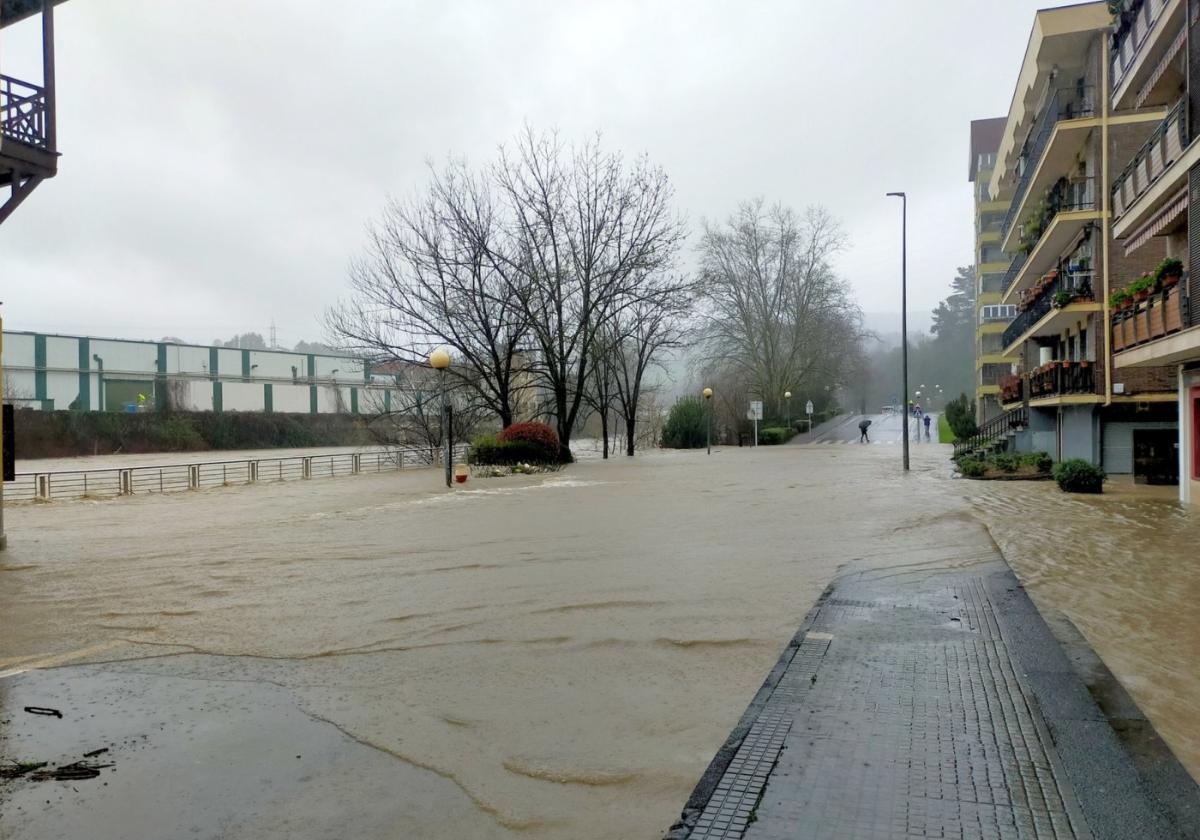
(129, 481)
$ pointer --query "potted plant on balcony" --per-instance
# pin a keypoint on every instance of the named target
(1169, 271)
(1142, 287)
(1062, 299)
(1120, 300)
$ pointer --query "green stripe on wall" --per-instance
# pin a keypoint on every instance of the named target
(312, 398)
(268, 398)
(246, 365)
(354, 401)
(312, 366)
(213, 362)
(85, 381)
(387, 401)
(39, 365)
(218, 396)
(160, 381)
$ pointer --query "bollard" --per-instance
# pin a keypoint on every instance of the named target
(126, 482)
(43, 487)
(306, 468)
(356, 465)
(193, 476)
(253, 471)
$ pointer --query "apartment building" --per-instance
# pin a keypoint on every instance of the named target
(991, 267)
(1155, 325)
(1063, 143)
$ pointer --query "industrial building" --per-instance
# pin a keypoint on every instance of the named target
(50, 372)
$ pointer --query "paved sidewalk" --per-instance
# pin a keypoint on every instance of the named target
(931, 704)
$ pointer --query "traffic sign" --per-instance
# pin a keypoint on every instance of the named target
(808, 407)
(756, 408)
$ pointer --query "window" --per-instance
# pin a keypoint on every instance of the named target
(998, 312)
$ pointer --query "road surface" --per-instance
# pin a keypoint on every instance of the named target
(885, 430)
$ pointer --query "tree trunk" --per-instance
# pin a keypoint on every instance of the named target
(630, 433)
(604, 432)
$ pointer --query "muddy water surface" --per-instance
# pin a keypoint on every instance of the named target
(555, 656)
(1125, 568)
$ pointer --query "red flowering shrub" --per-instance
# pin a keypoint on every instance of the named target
(537, 436)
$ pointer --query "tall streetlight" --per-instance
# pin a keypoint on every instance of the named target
(708, 411)
(904, 310)
(787, 398)
(100, 378)
(439, 360)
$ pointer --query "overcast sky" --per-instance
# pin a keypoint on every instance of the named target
(221, 159)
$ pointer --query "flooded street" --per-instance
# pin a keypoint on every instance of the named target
(1125, 568)
(546, 656)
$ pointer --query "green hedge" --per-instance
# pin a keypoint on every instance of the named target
(686, 426)
(51, 434)
(487, 450)
(775, 435)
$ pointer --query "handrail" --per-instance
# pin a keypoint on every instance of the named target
(23, 112)
(1134, 22)
(993, 430)
(151, 478)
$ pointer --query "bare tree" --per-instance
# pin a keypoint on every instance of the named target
(585, 230)
(412, 415)
(651, 324)
(775, 314)
(429, 279)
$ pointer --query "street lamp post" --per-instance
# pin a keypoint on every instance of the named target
(904, 307)
(439, 360)
(787, 399)
(100, 379)
(708, 419)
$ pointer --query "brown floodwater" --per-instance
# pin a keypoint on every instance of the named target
(559, 656)
(1125, 568)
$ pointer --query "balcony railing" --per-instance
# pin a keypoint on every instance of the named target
(1056, 379)
(22, 112)
(1130, 34)
(992, 284)
(1162, 149)
(1040, 299)
(1064, 104)
(1160, 314)
(1067, 194)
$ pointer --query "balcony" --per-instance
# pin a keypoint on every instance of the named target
(1062, 378)
(1069, 207)
(23, 112)
(1060, 296)
(1146, 35)
(1160, 151)
(1050, 149)
(1160, 314)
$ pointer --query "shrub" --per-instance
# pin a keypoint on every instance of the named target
(685, 426)
(1038, 460)
(539, 439)
(1170, 266)
(960, 414)
(490, 451)
(1006, 463)
(774, 435)
(972, 467)
(1078, 476)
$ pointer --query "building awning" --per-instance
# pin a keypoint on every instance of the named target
(1172, 53)
(1160, 221)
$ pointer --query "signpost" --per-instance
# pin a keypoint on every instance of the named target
(808, 409)
(755, 413)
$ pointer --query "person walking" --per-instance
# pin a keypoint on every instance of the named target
(927, 421)
(862, 428)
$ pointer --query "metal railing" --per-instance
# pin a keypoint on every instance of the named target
(1077, 283)
(127, 481)
(22, 111)
(1065, 196)
(1157, 154)
(1134, 22)
(1064, 104)
(1062, 377)
(993, 430)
